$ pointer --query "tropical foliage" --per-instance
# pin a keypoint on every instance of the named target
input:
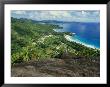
(36, 41)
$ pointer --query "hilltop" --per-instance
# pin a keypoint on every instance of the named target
(43, 46)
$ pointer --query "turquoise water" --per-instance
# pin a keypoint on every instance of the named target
(85, 33)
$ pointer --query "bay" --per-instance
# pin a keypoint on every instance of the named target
(85, 33)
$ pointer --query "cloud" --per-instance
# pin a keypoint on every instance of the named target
(19, 12)
(75, 15)
(60, 13)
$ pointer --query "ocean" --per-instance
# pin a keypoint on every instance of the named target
(85, 33)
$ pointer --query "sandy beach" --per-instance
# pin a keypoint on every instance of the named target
(69, 38)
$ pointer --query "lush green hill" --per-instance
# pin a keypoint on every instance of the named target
(35, 41)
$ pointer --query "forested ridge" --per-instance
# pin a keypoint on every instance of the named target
(39, 41)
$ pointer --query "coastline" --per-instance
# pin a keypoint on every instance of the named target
(69, 38)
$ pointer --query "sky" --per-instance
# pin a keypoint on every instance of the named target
(69, 16)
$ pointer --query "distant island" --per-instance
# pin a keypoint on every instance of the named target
(52, 21)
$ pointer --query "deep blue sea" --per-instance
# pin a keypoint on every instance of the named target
(86, 33)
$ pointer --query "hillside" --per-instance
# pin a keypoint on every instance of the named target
(46, 48)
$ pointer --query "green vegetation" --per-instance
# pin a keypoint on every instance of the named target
(36, 41)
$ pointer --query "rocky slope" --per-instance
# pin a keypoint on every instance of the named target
(66, 67)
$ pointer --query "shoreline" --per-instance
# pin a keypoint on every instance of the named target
(69, 38)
